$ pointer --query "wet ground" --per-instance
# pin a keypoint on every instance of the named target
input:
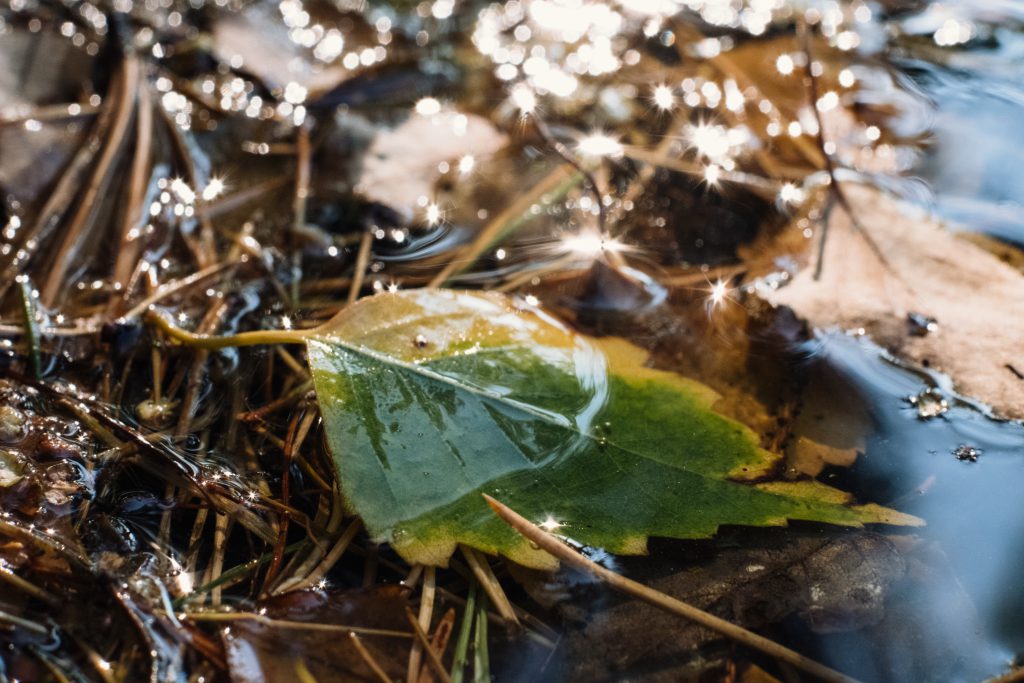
(123, 460)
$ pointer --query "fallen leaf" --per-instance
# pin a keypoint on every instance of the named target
(976, 299)
(401, 164)
(432, 397)
(754, 578)
(856, 596)
(257, 41)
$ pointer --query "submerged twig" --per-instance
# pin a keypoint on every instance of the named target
(834, 187)
(566, 154)
(555, 185)
(557, 548)
(432, 657)
(491, 585)
(294, 625)
(368, 658)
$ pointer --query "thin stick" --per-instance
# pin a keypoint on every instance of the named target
(131, 243)
(282, 402)
(100, 181)
(360, 270)
(302, 173)
(830, 168)
(294, 625)
(29, 626)
(432, 658)
(561, 150)
(563, 552)
(50, 112)
(27, 586)
(233, 201)
(439, 641)
(204, 250)
(559, 181)
(526, 276)
(169, 288)
(427, 594)
(220, 534)
(489, 582)
(327, 563)
(368, 658)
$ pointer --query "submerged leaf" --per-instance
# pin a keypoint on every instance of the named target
(433, 397)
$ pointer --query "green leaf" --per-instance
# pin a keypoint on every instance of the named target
(432, 397)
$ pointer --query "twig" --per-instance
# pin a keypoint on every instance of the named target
(66, 190)
(563, 552)
(427, 594)
(439, 641)
(432, 658)
(220, 535)
(834, 187)
(294, 625)
(29, 311)
(481, 651)
(30, 626)
(275, 405)
(169, 288)
(327, 563)
(489, 582)
(50, 112)
(296, 434)
(27, 586)
(131, 242)
(74, 233)
(205, 250)
(233, 201)
(362, 259)
(558, 182)
(368, 658)
(566, 154)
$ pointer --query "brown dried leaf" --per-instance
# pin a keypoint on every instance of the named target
(402, 163)
(977, 299)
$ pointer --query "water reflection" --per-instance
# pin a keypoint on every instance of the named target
(977, 140)
(973, 509)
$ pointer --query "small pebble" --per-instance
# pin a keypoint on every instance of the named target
(12, 424)
(965, 453)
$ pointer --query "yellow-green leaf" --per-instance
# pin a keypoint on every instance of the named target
(432, 397)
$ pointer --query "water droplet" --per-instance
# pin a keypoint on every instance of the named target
(929, 403)
(919, 325)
